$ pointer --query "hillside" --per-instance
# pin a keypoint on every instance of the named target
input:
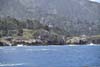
(74, 17)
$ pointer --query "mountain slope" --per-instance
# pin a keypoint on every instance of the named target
(77, 16)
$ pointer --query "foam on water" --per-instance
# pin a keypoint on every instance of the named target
(91, 44)
(41, 49)
(72, 45)
(11, 65)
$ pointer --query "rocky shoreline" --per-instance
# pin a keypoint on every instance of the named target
(82, 40)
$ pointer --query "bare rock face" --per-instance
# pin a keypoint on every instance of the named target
(77, 40)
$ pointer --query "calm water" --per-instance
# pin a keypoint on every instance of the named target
(50, 56)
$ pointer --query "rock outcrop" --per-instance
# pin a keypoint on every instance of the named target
(77, 40)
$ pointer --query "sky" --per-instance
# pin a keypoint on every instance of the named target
(96, 0)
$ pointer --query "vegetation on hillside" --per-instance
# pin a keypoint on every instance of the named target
(25, 28)
(35, 32)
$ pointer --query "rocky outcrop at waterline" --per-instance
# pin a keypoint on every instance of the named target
(94, 39)
(5, 43)
(32, 42)
(77, 40)
(50, 39)
(27, 42)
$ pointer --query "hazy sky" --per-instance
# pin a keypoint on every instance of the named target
(96, 0)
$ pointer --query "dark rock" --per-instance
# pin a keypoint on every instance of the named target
(3, 44)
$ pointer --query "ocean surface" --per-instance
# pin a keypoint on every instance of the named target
(50, 56)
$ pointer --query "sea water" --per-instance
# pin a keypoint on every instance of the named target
(50, 56)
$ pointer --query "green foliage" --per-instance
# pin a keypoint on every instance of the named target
(26, 28)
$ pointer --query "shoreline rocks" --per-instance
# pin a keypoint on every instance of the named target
(5, 43)
(50, 39)
(77, 40)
